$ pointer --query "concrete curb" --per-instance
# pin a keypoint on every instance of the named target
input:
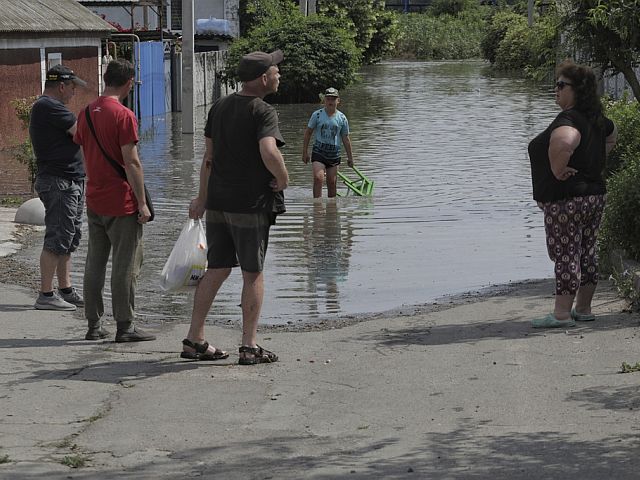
(11, 233)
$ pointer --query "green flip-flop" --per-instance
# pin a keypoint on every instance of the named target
(550, 321)
(582, 317)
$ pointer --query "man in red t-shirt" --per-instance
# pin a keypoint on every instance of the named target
(116, 207)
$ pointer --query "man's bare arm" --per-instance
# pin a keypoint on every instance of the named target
(274, 161)
(135, 177)
(198, 204)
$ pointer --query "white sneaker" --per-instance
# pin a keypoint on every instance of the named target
(53, 303)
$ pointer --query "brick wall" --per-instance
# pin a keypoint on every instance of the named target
(21, 78)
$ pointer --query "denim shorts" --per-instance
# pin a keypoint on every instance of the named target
(237, 239)
(63, 201)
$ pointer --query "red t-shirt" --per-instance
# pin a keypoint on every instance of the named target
(107, 192)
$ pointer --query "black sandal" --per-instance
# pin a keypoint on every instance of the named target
(260, 355)
(202, 351)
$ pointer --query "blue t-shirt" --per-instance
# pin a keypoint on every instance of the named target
(55, 152)
(329, 132)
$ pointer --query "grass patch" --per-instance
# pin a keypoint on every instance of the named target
(626, 368)
(74, 461)
(11, 201)
(4, 459)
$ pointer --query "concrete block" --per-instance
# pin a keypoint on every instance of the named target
(30, 212)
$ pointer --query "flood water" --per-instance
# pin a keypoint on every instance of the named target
(446, 145)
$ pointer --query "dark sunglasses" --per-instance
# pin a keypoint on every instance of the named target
(560, 84)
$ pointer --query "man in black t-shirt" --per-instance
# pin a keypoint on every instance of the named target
(241, 182)
(60, 186)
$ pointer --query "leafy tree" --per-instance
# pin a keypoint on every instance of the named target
(442, 37)
(256, 12)
(496, 31)
(382, 43)
(318, 53)
(364, 18)
(451, 7)
(545, 46)
(610, 32)
(514, 51)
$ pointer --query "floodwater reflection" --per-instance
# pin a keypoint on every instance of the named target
(446, 145)
(328, 239)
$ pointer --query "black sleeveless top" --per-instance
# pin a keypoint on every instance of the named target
(588, 159)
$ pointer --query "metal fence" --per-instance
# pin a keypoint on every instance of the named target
(616, 85)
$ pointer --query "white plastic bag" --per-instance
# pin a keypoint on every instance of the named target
(188, 259)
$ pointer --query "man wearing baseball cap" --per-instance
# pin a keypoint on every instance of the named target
(241, 182)
(255, 64)
(60, 186)
(60, 73)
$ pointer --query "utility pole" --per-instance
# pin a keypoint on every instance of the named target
(187, 67)
(530, 12)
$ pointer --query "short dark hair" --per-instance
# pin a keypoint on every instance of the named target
(119, 72)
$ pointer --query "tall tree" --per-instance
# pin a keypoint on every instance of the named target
(374, 29)
(610, 32)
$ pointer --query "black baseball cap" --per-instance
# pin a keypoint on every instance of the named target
(254, 64)
(60, 73)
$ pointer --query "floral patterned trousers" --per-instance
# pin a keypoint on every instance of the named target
(572, 228)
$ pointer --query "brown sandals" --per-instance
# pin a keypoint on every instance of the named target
(258, 355)
(202, 351)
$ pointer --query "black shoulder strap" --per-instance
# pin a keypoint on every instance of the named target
(115, 164)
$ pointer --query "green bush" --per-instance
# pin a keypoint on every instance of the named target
(545, 47)
(620, 225)
(374, 29)
(384, 38)
(625, 113)
(514, 51)
(317, 53)
(445, 37)
(511, 45)
(621, 222)
(451, 7)
(497, 28)
(253, 13)
(23, 151)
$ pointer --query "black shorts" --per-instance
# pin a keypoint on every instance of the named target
(327, 162)
(237, 239)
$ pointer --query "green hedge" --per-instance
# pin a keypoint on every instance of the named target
(621, 222)
(317, 53)
(497, 28)
(511, 45)
(443, 37)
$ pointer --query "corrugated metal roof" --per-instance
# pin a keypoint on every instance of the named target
(108, 3)
(94, 3)
(121, 3)
(49, 16)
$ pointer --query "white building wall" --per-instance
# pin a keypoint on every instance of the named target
(208, 8)
(223, 9)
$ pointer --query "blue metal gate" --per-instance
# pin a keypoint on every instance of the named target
(152, 76)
